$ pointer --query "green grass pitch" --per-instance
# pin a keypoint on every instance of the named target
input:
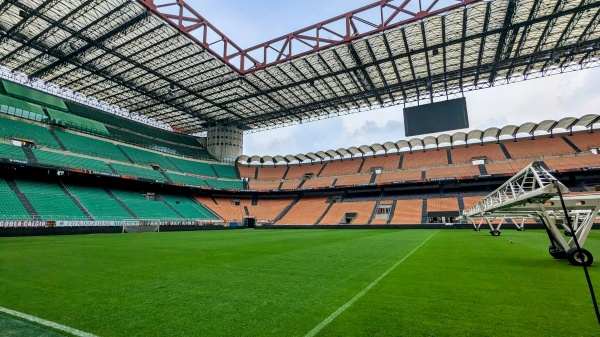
(286, 282)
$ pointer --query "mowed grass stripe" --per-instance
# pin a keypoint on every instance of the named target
(346, 305)
(267, 283)
(472, 284)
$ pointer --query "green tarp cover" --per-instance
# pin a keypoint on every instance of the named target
(76, 122)
(32, 95)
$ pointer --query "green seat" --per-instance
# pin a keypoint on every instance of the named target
(142, 157)
(76, 122)
(99, 203)
(225, 184)
(225, 171)
(61, 159)
(186, 180)
(145, 209)
(195, 167)
(91, 146)
(50, 202)
(12, 152)
(32, 95)
(11, 207)
(133, 171)
(188, 208)
(10, 128)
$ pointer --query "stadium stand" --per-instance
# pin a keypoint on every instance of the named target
(299, 171)
(541, 146)
(336, 214)
(98, 202)
(247, 171)
(146, 157)
(11, 207)
(452, 172)
(427, 158)
(225, 171)
(186, 180)
(91, 146)
(407, 212)
(187, 207)
(387, 163)
(50, 201)
(471, 201)
(442, 204)
(338, 168)
(585, 140)
(58, 159)
(263, 185)
(230, 209)
(267, 209)
(399, 176)
(144, 207)
(140, 172)
(305, 212)
(465, 155)
(225, 184)
(271, 172)
(290, 184)
(9, 151)
(573, 163)
(318, 182)
(353, 180)
(194, 167)
(18, 129)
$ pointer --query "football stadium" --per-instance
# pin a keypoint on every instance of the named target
(129, 206)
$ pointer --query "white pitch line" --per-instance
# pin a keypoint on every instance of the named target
(47, 323)
(341, 309)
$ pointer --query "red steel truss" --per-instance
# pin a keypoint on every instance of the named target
(340, 29)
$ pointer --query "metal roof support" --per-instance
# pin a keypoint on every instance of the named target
(486, 23)
(410, 63)
(394, 66)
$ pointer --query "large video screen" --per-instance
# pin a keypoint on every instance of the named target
(436, 117)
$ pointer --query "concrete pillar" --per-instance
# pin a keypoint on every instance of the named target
(225, 142)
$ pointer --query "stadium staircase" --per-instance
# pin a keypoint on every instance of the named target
(392, 211)
(167, 178)
(112, 169)
(578, 150)
(29, 154)
(373, 177)
(362, 163)
(286, 209)
(321, 170)
(287, 169)
(22, 198)
(301, 183)
(208, 209)
(334, 182)
(324, 213)
(125, 154)
(505, 151)
(112, 195)
(254, 199)
(400, 161)
(543, 165)
(60, 143)
(75, 201)
(424, 211)
(482, 170)
(170, 206)
(461, 205)
(449, 154)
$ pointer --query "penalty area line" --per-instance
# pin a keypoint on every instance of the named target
(46, 323)
(347, 305)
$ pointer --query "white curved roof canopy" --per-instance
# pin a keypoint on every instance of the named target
(458, 138)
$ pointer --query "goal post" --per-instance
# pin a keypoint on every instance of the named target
(140, 226)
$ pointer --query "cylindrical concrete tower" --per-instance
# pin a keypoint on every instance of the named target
(225, 142)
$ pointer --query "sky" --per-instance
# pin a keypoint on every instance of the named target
(249, 23)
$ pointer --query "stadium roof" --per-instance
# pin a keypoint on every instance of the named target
(457, 139)
(163, 60)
